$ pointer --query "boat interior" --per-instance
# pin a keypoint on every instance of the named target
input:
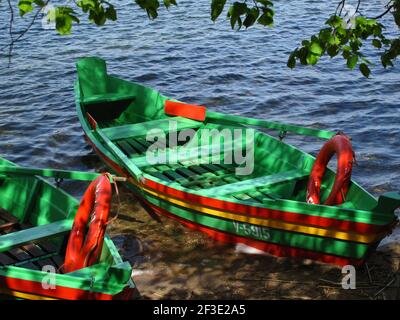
(35, 223)
(125, 112)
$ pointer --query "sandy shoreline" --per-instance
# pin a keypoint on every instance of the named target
(171, 261)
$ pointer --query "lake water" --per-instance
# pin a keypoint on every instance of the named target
(184, 55)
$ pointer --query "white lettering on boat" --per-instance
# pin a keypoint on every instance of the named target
(251, 230)
(228, 146)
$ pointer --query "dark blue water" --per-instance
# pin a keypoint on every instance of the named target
(184, 55)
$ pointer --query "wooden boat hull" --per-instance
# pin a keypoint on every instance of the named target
(34, 226)
(231, 230)
(283, 227)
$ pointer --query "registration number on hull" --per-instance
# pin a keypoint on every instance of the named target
(252, 230)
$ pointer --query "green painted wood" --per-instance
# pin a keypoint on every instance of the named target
(325, 245)
(107, 97)
(41, 243)
(54, 173)
(126, 147)
(388, 202)
(254, 183)
(270, 125)
(131, 167)
(84, 283)
(272, 156)
(19, 238)
(142, 129)
(137, 146)
(31, 200)
(36, 259)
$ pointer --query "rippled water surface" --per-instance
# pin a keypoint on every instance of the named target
(184, 55)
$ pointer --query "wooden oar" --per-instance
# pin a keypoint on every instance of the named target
(54, 173)
(199, 113)
(270, 125)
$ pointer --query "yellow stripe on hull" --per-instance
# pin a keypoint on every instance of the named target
(23, 295)
(292, 227)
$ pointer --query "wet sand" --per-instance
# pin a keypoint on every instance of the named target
(171, 261)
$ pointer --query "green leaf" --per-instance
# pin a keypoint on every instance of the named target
(325, 34)
(365, 70)
(216, 8)
(25, 6)
(332, 51)
(39, 3)
(265, 3)
(352, 61)
(151, 7)
(291, 63)
(111, 14)
(334, 21)
(346, 52)
(63, 18)
(251, 17)
(316, 48)
(267, 18)
(235, 11)
(386, 60)
(312, 58)
(376, 43)
(168, 3)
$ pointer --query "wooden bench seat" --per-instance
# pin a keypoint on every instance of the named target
(107, 97)
(141, 129)
(34, 234)
(262, 181)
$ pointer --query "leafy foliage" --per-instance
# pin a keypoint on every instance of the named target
(346, 39)
(240, 14)
(339, 37)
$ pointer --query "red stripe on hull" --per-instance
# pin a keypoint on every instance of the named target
(304, 219)
(273, 249)
(60, 292)
(265, 213)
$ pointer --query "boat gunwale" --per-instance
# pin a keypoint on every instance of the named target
(320, 210)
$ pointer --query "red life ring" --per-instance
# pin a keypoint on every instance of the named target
(339, 144)
(83, 248)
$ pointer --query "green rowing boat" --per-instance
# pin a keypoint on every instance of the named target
(219, 174)
(35, 223)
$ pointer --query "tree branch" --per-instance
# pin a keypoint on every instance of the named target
(384, 13)
(340, 5)
(10, 31)
(12, 40)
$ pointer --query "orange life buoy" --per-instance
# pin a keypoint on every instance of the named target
(83, 248)
(339, 144)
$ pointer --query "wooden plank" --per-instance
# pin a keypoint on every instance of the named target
(31, 199)
(129, 165)
(142, 128)
(55, 173)
(6, 260)
(107, 97)
(19, 254)
(270, 125)
(126, 147)
(186, 172)
(7, 216)
(182, 154)
(19, 238)
(8, 226)
(139, 147)
(256, 182)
